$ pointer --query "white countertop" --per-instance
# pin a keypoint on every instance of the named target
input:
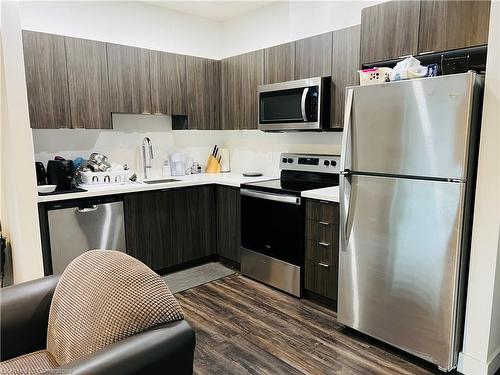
(226, 179)
(330, 194)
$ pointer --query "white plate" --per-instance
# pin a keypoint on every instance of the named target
(46, 188)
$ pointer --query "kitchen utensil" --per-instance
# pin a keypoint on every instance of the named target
(41, 174)
(196, 168)
(213, 165)
(46, 188)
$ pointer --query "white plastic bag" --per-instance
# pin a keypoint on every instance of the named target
(407, 69)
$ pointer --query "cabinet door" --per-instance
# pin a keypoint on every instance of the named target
(241, 75)
(230, 85)
(345, 66)
(446, 25)
(129, 80)
(313, 56)
(149, 229)
(203, 93)
(389, 30)
(168, 83)
(46, 80)
(88, 84)
(228, 222)
(193, 217)
(279, 62)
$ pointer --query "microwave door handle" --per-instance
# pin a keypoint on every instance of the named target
(303, 104)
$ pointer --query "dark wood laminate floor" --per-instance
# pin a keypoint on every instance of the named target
(244, 327)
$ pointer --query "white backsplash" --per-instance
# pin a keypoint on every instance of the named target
(251, 150)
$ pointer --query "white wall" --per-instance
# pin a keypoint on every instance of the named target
(285, 21)
(481, 348)
(125, 22)
(251, 150)
(19, 213)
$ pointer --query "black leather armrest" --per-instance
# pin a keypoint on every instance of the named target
(24, 310)
(167, 348)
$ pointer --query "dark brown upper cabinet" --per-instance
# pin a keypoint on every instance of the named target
(241, 75)
(203, 93)
(129, 79)
(46, 80)
(313, 56)
(390, 30)
(446, 25)
(345, 66)
(279, 62)
(168, 83)
(88, 84)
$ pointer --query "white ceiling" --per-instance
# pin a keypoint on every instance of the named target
(214, 10)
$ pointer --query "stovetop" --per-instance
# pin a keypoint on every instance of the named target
(300, 172)
(294, 186)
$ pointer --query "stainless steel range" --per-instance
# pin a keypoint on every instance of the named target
(273, 220)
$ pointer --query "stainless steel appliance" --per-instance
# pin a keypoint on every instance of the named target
(406, 192)
(303, 104)
(273, 220)
(82, 225)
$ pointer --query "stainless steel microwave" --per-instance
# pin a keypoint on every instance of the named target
(303, 104)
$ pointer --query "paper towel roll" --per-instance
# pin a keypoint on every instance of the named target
(225, 165)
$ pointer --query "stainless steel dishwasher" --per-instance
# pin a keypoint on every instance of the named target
(81, 225)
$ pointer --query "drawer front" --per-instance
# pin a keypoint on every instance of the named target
(321, 279)
(320, 231)
(322, 211)
(320, 252)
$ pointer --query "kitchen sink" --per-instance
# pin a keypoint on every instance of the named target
(166, 180)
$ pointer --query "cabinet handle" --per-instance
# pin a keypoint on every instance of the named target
(325, 244)
(425, 53)
(324, 222)
(324, 265)
(324, 202)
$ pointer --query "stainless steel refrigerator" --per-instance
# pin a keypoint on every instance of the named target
(406, 191)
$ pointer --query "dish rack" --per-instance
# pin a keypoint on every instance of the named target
(104, 178)
(374, 75)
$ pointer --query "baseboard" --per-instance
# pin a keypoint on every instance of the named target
(469, 365)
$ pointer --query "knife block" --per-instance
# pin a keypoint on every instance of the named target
(213, 165)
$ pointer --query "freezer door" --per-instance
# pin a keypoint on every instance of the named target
(399, 258)
(419, 127)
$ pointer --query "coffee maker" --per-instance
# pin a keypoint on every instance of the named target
(61, 173)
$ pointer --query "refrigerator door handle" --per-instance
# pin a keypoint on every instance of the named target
(345, 202)
(345, 158)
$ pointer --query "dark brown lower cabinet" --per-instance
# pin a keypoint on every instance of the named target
(228, 222)
(193, 219)
(167, 228)
(149, 228)
(322, 248)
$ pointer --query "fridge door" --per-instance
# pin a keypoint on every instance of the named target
(399, 262)
(418, 127)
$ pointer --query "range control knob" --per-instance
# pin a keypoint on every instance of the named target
(326, 162)
(334, 163)
(290, 160)
(284, 160)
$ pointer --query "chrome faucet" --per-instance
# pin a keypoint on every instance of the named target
(146, 143)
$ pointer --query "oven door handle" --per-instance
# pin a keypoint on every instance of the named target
(303, 104)
(289, 199)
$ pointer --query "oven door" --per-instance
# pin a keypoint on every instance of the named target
(273, 225)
